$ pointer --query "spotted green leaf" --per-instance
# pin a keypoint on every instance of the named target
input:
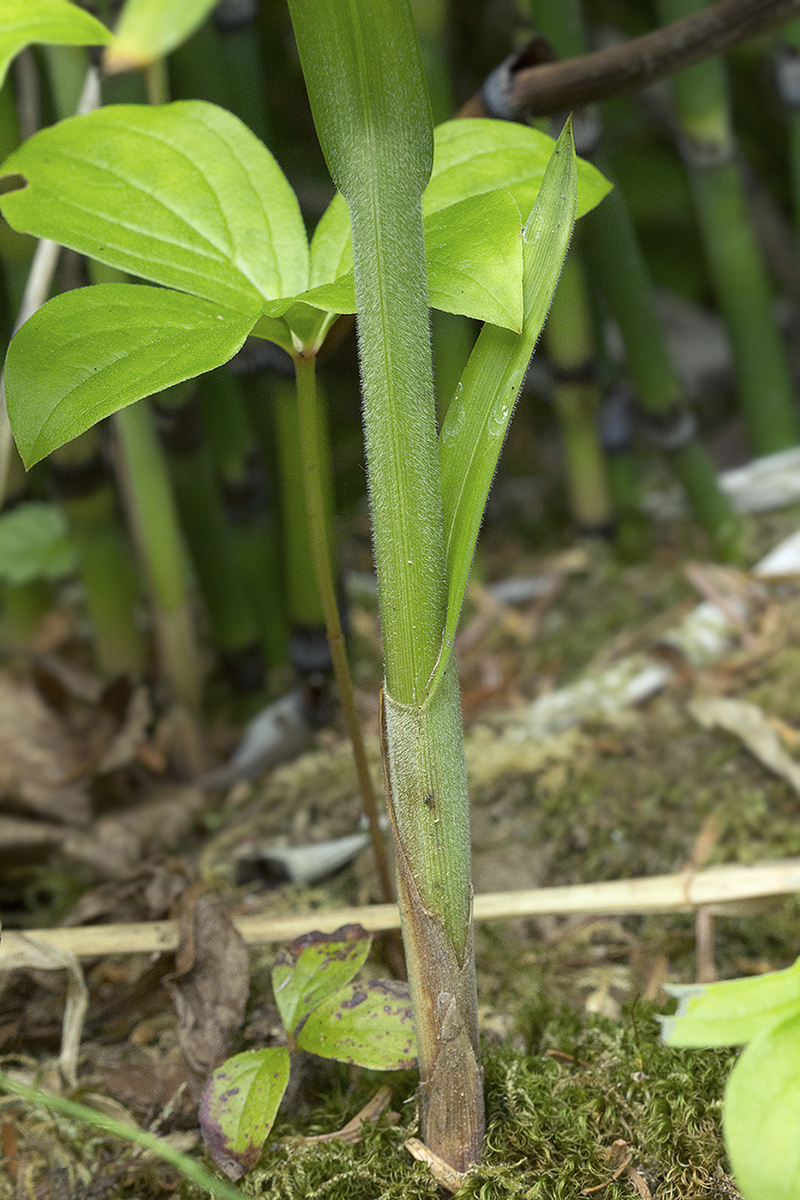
(366, 1024)
(314, 967)
(238, 1107)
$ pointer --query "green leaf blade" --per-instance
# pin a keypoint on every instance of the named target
(354, 71)
(473, 251)
(475, 155)
(365, 1024)
(761, 1114)
(89, 352)
(315, 966)
(733, 1011)
(52, 22)
(183, 195)
(238, 1107)
(474, 429)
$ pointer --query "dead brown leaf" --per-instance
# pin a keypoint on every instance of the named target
(210, 986)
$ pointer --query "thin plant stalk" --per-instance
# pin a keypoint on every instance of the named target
(199, 503)
(316, 472)
(709, 148)
(569, 339)
(89, 504)
(246, 496)
(151, 511)
(308, 651)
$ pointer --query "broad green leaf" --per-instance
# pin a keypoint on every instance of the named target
(474, 257)
(89, 352)
(761, 1114)
(238, 1107)
(315, 966)
(183, 195)
(34, 544)
(473, 156)
(732, 1011)
(478, 417)
(53, 22)
(150, 29)
(470, 157)
(366, 1024)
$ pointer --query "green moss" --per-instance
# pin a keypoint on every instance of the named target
(551, 1120)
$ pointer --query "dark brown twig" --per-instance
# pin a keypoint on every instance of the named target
(534, 91)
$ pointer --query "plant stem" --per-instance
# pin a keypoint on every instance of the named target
(151, 511)
(248, 505)
(315, 474)
(199, 503)
(709, 149)
(570, 345)
(361, 64)
(89, 503)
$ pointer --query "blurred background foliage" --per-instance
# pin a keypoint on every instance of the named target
(69, 534)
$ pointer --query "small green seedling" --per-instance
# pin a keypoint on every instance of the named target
(325, 1011)
(761, 1109)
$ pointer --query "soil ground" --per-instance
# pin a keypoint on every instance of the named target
(573, 1063)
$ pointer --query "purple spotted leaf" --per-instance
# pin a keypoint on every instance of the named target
(238, 1107)
(314, 967)
(366, 1024)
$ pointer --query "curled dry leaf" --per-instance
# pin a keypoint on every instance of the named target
(210, 985)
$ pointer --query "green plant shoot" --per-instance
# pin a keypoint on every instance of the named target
(324, 1011)
(183, 195)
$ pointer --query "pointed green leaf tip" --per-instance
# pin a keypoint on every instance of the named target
(183, 195)
(238, 1107)
(314, 967)
(49, 22)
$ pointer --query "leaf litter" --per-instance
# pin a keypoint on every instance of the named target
(627, 793)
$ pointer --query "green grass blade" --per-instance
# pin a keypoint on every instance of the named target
(189, 1167)
(143, 339)
(473, 431)
(364, 78)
